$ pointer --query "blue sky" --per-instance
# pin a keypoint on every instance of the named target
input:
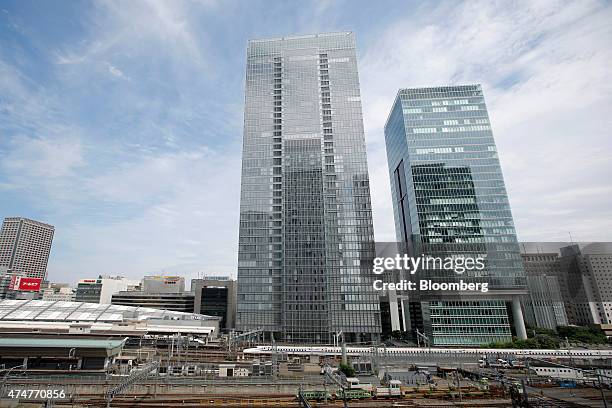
(121, 121)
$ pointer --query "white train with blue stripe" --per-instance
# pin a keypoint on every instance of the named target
(332, 351)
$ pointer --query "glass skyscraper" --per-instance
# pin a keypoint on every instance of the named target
(306, 237)
(449, 199)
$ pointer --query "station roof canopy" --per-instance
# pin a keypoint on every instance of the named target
(112, 346)
(41, 310)
(61, 342)
(17, 316)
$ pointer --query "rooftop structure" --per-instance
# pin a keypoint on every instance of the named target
(101, 289)
(63, 353)
(93, 318)
(163, 284)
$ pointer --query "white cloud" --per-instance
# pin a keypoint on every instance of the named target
(184, 218)
(41, 150)
(127, 29)
(34, 158)
(120, 168)
(116, 72)
(152, 176)
(545, 70)
(134, 190)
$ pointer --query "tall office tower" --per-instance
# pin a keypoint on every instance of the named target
(25, 246)
(449, 199)
(305, 214)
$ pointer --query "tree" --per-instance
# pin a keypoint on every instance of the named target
(589, 334)
(347, 369)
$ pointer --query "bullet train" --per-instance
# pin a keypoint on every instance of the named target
(434, 351)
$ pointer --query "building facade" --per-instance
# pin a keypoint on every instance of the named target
(178, 302)
(101, 289)
(163, 284)
(54, 292)
(305, 213)
(586, 272)
(216, 296)
(449, 200)
(158, 292)
(543, 304)
(25, 246)
(9, 291)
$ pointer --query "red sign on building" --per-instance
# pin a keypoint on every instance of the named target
(25, 284)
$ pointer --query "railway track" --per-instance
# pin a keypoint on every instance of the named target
(187, 401)
(280, 401)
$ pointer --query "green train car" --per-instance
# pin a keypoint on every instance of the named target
(317, 395)
(320, 395)
(353, 394)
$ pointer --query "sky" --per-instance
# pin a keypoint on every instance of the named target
(121, 121)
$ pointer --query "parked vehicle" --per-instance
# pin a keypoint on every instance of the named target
(392, 391)
(353, 384)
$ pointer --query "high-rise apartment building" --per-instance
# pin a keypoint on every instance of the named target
(449, 199)
(305, 214)
(25, 246)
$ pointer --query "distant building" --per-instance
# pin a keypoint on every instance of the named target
(178, 302)
(587, 289)
(25, 246)
(57, 292)
(578, 275)
(5, 282)
(607, 329)
(10, 286)
(544, 307)
(158, 292)
(216, 296)
(163, 284)
(101, 289)
(543, 304)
